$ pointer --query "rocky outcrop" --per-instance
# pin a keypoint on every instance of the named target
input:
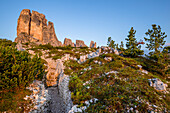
(39, 97)
(34, 26)
(106, 50)
(37, 22)
(23, 25)
(80, 43)
(68, 42)
(49, 35)
(157, 84)
(62, 82)
(92, 44)
(54, 70)
(19, 47)
(24, 37)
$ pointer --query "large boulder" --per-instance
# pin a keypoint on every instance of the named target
(157, 84)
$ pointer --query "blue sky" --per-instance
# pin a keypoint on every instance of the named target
(90, 19)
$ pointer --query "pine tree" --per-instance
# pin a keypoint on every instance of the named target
(121, 46)
(156, 42)
(111, 43)
(133, 49)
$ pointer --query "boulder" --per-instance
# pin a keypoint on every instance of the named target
(68, 42)
(80, 43)
(108, 58)
(157, 84)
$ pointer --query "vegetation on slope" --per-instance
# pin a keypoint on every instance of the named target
(17, 71)
(126, 87)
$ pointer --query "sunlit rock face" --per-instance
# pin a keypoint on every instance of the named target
(34, 25)
(80, 43)
(93, 44)
(23, 25)
(68, 42)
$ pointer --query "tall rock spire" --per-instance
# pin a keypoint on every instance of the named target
(34, 26)
(24, 20)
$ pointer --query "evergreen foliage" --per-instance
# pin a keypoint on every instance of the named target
(17, 68)
(111, 43)
(155, 42)
(133, 49)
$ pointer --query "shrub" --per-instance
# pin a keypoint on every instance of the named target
(17, 68)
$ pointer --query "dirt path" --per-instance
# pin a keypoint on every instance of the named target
(56, 104)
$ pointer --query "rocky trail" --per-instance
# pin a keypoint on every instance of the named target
(56, 104)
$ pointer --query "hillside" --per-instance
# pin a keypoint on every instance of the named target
(40, 74)
(89, 80)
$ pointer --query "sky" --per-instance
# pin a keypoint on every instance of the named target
(90, 19)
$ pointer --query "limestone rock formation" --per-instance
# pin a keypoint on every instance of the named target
(157, 84)
(53, 73)
(39, 97)
(92, 44)
(19, 47)
(37, 22)
(34, 26)
(24, 22)
(80, 43)
(68, 42)
(24, 37)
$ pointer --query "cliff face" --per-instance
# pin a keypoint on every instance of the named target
(92, 44)
(35, 25)
(23, 25)
(68, 42)
(80, 43)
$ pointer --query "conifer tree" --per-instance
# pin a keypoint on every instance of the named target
(121, 46)
(155, 43)
(133, 49)
(111, 43)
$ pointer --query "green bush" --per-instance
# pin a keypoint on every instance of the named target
(17, 68)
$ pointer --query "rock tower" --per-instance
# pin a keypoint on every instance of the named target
(33, 27)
